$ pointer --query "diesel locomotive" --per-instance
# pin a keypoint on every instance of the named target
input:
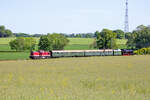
(79, 53)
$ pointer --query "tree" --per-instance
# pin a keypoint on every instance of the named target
(140, 27)
(139, 38)
(58, 41)
(52, 42)
(105, 39)
(5, 32)
(120, 34)
(45, 43)
(128, 35)
(22, 44)
(8, 33)
(2, 31)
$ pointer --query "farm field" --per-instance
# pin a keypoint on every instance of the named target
(85, 78)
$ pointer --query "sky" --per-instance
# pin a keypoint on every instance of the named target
(71, 16)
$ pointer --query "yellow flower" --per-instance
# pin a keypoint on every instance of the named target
(51, 91)
(113, 92)
(10, 77)
(98, 79)
(65, 82)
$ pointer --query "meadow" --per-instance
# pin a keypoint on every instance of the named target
(84, 78)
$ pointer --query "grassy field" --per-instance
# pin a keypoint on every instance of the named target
(14, 55)
(89, 78)
(71, 40)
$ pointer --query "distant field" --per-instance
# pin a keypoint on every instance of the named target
(72, 40)
(79, 43)
(85, 78)
(75, 43)
(121, 41)
(5, 40)
(83, 41)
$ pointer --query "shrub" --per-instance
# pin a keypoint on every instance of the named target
(142, 51)
(23, 44)
(52, 42)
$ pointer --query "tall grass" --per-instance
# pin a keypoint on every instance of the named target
(90, 78)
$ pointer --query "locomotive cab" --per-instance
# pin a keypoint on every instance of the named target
(127, 52)
(34, 55)
(40, 54)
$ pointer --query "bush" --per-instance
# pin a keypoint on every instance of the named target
(52, 42)
(22, 44)
(136, 52)
(142, 51)
(148, 50)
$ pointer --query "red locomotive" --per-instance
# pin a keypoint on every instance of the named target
(40, 54)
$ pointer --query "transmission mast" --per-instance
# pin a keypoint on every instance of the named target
(126, 27)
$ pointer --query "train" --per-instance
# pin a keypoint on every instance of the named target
(41, 54)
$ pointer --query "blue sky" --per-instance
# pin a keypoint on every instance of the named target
(71, 16)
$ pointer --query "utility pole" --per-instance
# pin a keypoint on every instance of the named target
(126, 27)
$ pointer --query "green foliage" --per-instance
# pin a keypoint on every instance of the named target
(45, 43)
(58, 41)
(105, 39)
(52, 42)
(84, 35)
(5, 32)
(142, 51)
(120, 34)
(127, 35)
(22, 44)
(139, 38)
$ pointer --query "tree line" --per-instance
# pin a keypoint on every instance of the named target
(5, 32)
(8, 33)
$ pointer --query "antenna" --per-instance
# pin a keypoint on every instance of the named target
(126, 27)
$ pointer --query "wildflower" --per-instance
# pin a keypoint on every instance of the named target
(51, 91)
(113, 92)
